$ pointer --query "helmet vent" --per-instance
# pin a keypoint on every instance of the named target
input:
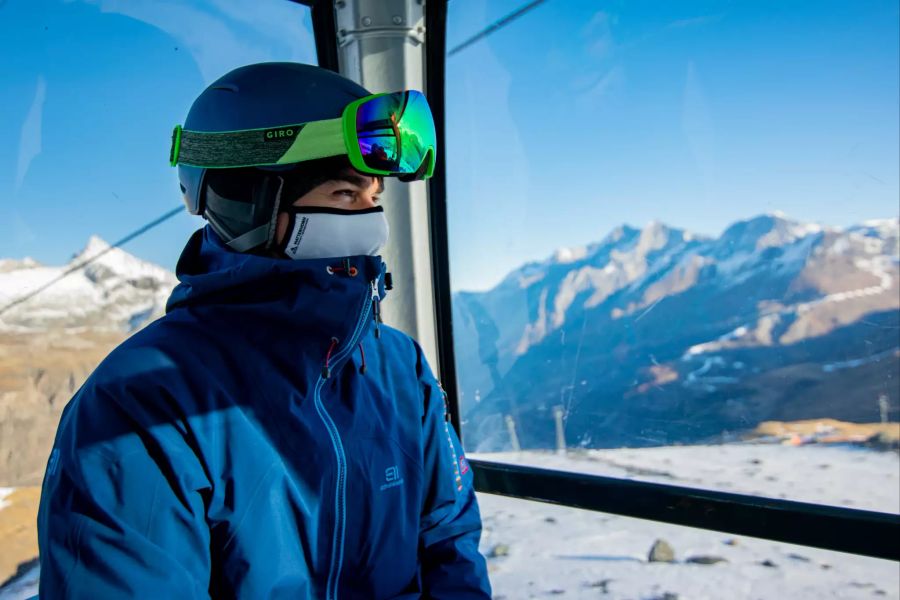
(227, 87)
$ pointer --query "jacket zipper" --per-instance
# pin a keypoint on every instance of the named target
(340, 493)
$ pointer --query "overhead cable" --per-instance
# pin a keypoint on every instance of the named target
(495, 26)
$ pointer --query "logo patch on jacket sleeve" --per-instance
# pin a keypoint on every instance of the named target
(463, 465)
(457, 476)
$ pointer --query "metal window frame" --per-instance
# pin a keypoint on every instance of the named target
(855, 531)
(866, 533)
(324, 32)
(435, 59)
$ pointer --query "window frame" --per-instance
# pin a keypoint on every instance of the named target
(854, 531)
(324, 32)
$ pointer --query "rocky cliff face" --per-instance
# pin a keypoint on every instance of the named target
(51, 342)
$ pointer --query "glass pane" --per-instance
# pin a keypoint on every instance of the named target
(674, 241)
(540, 550)
(91, 92)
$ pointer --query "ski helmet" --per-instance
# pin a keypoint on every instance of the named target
(241, 204)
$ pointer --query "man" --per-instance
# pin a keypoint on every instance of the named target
(268, 437)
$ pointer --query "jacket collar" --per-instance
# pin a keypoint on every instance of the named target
(297, 293)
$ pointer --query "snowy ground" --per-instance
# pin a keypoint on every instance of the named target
(563, 552)
(539, 550)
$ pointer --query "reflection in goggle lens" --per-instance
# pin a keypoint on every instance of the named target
(395, 132)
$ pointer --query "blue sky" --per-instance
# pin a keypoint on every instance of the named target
(94, 89)
(584, 115)
(576, 118)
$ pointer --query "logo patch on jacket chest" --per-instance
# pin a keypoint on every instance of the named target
(392, 478)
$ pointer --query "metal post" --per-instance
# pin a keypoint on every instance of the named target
(884, 407)
(513, 437)
(381, 46)
(558, 412)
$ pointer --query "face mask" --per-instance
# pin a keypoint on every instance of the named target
(318, 232)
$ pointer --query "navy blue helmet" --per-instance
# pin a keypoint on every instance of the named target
(241, 204)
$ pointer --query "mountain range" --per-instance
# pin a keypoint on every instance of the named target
(657, 336)
(651, 336)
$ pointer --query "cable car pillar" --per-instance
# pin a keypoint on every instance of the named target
(381, 46)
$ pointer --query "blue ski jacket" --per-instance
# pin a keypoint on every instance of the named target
(266, 439)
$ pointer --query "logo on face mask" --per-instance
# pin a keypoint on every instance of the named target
(315, 232)
(298, 237)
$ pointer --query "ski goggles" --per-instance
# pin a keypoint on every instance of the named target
(383, 134)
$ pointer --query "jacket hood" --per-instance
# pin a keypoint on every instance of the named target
(318, 296)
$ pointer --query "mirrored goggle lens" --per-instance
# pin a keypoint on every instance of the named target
(395, 132)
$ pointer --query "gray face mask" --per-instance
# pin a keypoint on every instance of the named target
(318, 232)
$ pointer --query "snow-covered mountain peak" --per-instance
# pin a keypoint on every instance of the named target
(656, 226)
(618, 234)
(105, 263)
(102, 287)
(764, 231)
(95, 245)
(568, 255)
(657, 236)
(656, 231)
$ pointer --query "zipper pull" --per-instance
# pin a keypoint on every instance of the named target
(326, 370)
(377, 317)
(376, 305)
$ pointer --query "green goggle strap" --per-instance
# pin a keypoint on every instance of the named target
(258, 147)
